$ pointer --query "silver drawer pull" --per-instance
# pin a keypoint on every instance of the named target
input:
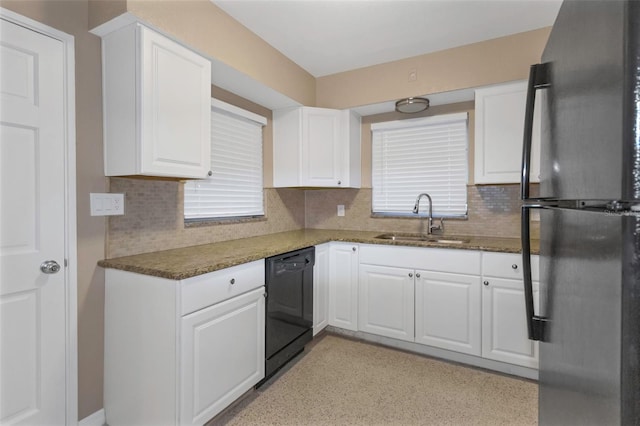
(486, 283)
(514, 266)
(233, 281)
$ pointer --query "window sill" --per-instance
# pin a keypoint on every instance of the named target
(197, 223)
(413, 216)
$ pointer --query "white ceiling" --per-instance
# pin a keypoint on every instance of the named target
(326, 37)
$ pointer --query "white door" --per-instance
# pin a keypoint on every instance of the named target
(386, 302)
(448, 311)
(32, 228)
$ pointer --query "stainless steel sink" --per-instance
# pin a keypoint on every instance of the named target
(423, 238)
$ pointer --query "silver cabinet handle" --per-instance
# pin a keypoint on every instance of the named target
(514, 266)
(486, 283)
(417, 274)
(210, 173)
(410, 275)
(339, 182)
(233, 281)
(353, 248)
(49, 267)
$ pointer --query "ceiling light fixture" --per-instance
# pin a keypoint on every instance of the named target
(412, 105)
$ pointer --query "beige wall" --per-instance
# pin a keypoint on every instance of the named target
(71, 17)
(488, 62)
(205, 27)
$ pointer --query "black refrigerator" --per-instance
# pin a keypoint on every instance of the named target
(588, 322)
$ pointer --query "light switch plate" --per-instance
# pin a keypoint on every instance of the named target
(106, 204)
(340, 209)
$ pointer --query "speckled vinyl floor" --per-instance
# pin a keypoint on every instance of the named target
(339, 381)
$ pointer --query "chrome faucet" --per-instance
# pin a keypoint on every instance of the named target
(431, 227)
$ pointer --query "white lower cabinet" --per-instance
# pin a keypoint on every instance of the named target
(386, 301)
(222, 355)
(179, 352)
(321, 288)
(343, 285)
(504, 323)
(448, 311)
(430, 296)
(465, 301)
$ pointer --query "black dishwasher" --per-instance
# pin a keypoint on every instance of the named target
(289, 313)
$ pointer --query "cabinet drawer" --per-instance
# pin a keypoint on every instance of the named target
(430, 259)
(208, 289)
(508, 265)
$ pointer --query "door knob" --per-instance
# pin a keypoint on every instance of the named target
(50, 267)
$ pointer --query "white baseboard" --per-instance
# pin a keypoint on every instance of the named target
(96, 419)
(502, 367)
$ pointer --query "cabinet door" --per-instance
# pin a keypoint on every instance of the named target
(321, 148)
(499, 131)
(175, 108)
(386, 302)
(504, 325)
(343, 286)
(321, 289)
(222, 355)
(448, 311)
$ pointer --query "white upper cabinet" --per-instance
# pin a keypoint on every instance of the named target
(499, 129)
(157, 97)
(316, 147)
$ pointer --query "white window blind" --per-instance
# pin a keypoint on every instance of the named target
(420, 155)
(235, 188)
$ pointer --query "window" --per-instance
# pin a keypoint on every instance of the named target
(420, 155)
(235, 188)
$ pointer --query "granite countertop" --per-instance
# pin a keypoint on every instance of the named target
(182, 263)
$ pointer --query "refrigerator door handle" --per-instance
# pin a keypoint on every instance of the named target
(538, 79)
(535, 323)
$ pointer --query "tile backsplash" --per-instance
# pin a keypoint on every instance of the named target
(154, 218)
(493, 210)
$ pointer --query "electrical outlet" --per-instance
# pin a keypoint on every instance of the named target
(413, 75)
(340, 210)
